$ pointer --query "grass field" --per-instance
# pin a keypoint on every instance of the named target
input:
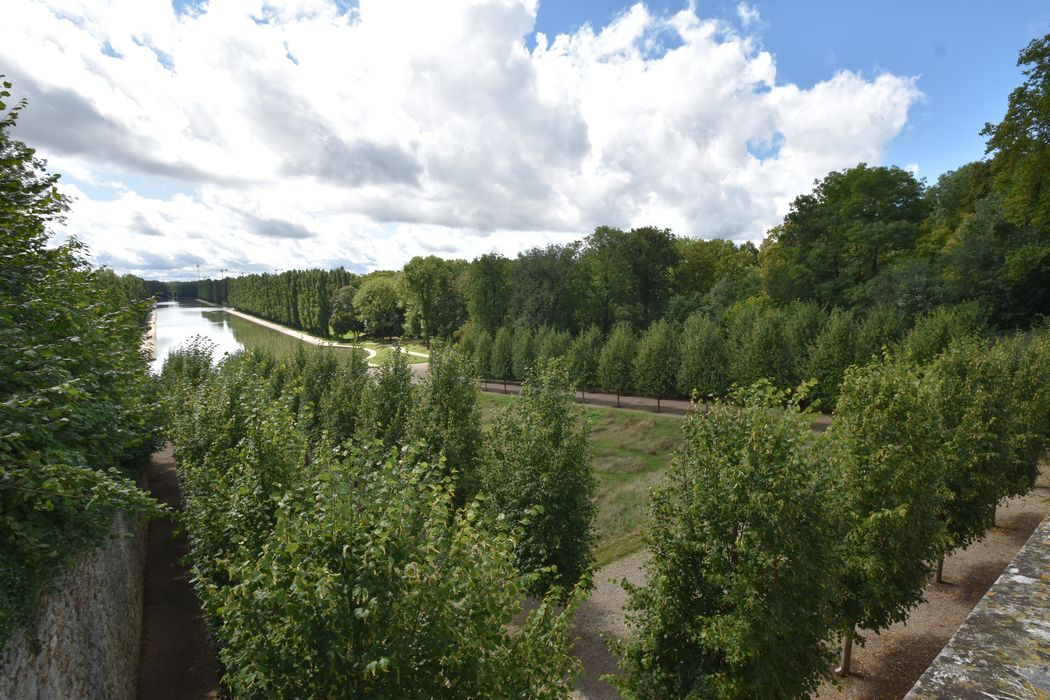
(629, 453)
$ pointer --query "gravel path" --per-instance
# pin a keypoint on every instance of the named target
(888, 665)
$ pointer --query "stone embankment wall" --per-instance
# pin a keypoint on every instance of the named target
(1001, 650)
(88, 636)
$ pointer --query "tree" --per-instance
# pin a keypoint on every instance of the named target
(609, 285)
(372, 585)
(760, 349)
(344, 317)
(583, 359)
(482, 353)
(803, 321)
(889, 492)
(537, 470)
(704, 366)
(341, 413)
(501, 363)
(446, 417)
(653, 255)
(378, 306)
(1020, 143)
(544, 287)
(488, 291)
(830, 354)
(433, 294)
(524, 352)
(616, 363)
(937, 330)
(656, 363)
(386, 402)
(742, 578)
(839, 237)
(76, 400)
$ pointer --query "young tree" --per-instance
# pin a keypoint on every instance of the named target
(760, 350)
(656, 363)
(937, 330)
(341, 412)
(537, 470)
(551, 344)
(446, 417)
(344, 317)
(803, 321)
(583, 359)
(488, 291)
(386, 402)
(889, 494)
(482, 353)
(742, 577)
(372, 585)
(616, 363)
(524, 352)
(501, 364)
(830, 354)
(704, 366)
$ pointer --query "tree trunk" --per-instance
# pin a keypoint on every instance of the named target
(617, 399)
(658, 404)
(583, 395)
(939, 576)
(995, 510)
(847, 654)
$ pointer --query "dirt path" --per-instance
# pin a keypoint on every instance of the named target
(888, 665)
(177, 658)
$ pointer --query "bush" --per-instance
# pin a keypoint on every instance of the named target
(387, 401)
(343, 402)
(743, 570)
(537, 469)
(937, 330)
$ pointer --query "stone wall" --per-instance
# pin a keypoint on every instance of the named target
(1002, 650)
(89, 633)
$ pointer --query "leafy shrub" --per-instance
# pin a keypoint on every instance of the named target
(616, 363)
(582, 358)
(656, 363)
(704, 366)
(523, 353)
(501, 364)
(830, 354)
(937, 330)
(387, 401)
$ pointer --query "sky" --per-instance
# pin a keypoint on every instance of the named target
(237, 136)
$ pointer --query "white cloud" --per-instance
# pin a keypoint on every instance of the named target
(302, 135)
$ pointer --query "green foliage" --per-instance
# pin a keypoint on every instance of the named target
(803, 322)
(488, 291)
(742, 577)
(760, 349)
(582, 358)
(704, 364)
(344, 318)
(937, 330)
(372, 586)
(378, 306)
(1020, 143)
(616, 362)
(970, 393)
(656, 361)
(551, 344)
(446, 417)
(537, 469)
(76, 400)
(881, 329)
(482, 353)
(433, 293)
(501, 362)
(342, 404)
(523, 352)
(888, 491)
(830, 354)
(387, 401)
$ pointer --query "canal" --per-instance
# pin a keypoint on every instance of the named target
(178, 321)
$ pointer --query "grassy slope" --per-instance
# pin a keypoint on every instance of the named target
(630, 452)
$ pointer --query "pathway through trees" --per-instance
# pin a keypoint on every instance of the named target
(177, 656)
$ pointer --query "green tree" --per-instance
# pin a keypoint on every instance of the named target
(704, 366)
(582, 359)
(616, 362)
(446, 417)
(501, 363)
(524, 351)
(482, 353)
(889, 494)
(488, 291)
(344, 316)
(831, 353)
(937, 330)
(387, 401)
(537, 470)
(378, 306)
(77, 405)
(1020, 143)
(742, 578)
(433, 294)
(656, 362)
(761, 350)
(544, 287)
(342, 402)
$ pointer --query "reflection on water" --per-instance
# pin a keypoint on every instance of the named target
(178, 321)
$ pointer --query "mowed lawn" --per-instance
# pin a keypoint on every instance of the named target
(630, 452)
